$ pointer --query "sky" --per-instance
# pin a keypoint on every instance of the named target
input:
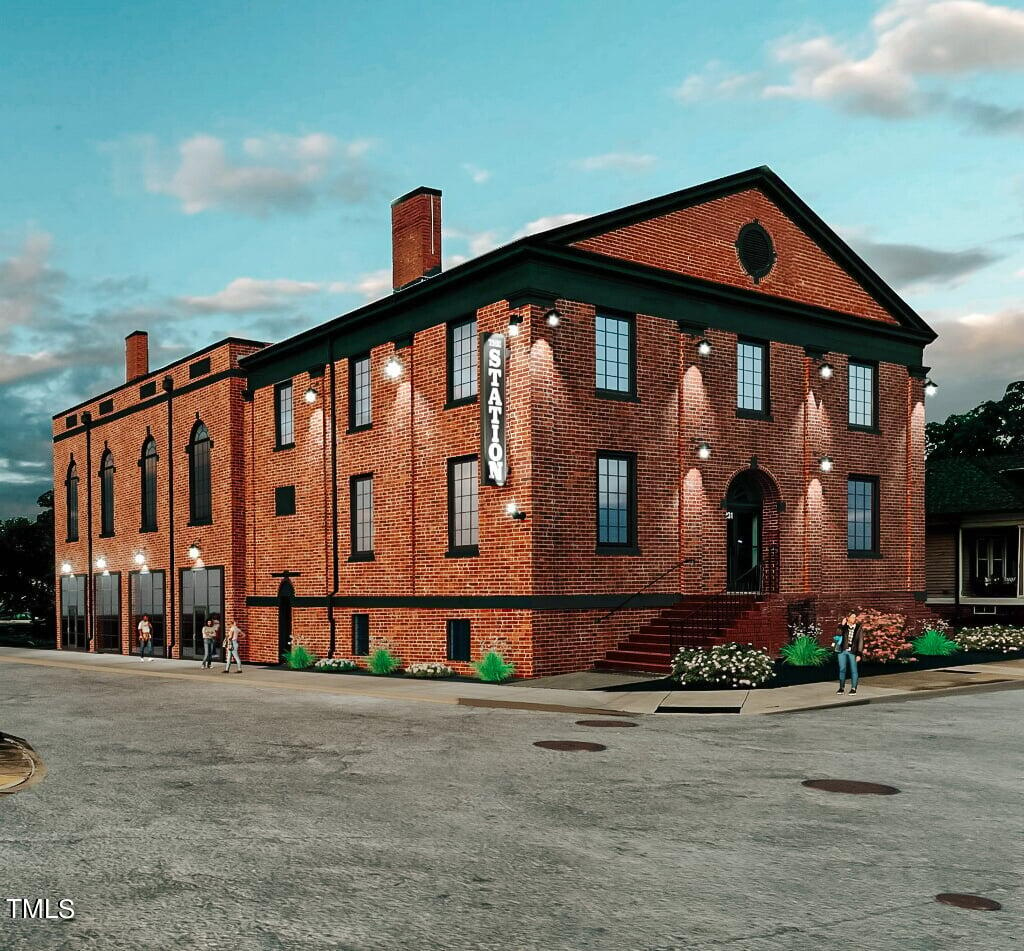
(199, 170)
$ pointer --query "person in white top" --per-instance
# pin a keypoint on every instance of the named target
(145, 638)
(231, 639)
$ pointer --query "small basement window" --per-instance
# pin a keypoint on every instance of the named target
(199, 368)
(458, 639)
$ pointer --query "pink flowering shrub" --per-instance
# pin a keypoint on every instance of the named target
(886, 638)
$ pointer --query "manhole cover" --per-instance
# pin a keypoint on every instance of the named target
(974, 902)
(605, 723)
(20, 765)
(570, 746)
(851, 786)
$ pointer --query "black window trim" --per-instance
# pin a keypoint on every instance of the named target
(356, 652)
(449, 335)
(106, 532)
(450, 639)
(353, 480)
(145, 526)
(461, 551)
(278, 387)
(352, 361)
(876, 516)
(631, 545)
(876, 425)
(623, 396)
(190, 450)
(765, 413)
(71, 477)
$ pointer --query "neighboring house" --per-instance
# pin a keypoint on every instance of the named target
(975, 520)
(684, 420)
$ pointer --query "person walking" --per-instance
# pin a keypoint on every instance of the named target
(231, 639)
(209, 642)
(145, 638)
(849, 644)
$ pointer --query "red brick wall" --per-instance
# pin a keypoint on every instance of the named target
(701, 241)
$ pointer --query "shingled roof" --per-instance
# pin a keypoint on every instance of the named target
(975, 484)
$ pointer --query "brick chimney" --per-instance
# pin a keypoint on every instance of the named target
(415, 236)
(136, 355)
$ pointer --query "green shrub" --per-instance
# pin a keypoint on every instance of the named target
(724, 665)
(998, 638)
(298, 658)
(492, 669)
(804, 651)
(382, 662)
(934, 644)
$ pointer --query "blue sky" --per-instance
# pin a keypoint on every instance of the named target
(204, 169)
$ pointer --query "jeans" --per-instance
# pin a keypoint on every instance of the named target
(848, 659)
(144, 647)
(231, 651)
(208, 645)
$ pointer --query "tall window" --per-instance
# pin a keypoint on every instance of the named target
(616, 500)
(463, 516)
(361, 502)
(614, 349)
(107, 493)
(200, 505)
(107, 592)
(360, 635)
(284, 427)
(862, 515)
(458, 639)
(751, 378)
(861, 384)
(147, 467)
(146, 598)
(71, 501)
(463, 361)
(360, 412)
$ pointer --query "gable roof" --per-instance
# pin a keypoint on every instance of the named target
(975, 484)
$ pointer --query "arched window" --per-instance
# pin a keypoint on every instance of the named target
(147, 467)
(107, 493)
(199, 503)
(71, 506)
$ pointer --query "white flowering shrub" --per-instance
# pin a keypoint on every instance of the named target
(429, 670)
(936, 624)
(725, 665)
(811, 630)
(998, 638)
(335, 665)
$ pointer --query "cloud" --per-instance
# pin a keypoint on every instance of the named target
(479, 175)
(373, 285)
(616, 162)
(268, 174)
(913, 265)
(249, 294)
(911, 41)
(547, 223)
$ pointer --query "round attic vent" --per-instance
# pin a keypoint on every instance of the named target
(755, 250)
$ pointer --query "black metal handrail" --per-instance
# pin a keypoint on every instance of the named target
(710, 618)
(653, 581)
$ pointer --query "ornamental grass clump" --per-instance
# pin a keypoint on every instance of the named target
(298, 658)
(382, 662)
(933, 643)
(492, 669)
(804, 651)
(993, 638)
(429, 670)
(886, 640)
(724, 665)
(336, 665)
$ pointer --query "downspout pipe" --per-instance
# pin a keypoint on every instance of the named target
(336, 577)
(171, 606)
(87, 420)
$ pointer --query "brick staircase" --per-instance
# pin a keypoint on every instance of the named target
(694, 621)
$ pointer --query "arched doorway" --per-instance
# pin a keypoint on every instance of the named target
(285, 593)
(752, 534)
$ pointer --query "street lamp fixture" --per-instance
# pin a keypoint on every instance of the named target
(930, 387)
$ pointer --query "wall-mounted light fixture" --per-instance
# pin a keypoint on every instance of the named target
(930, 387)
(310, 395)
(515, 324)
(825, 464)
(101, 563)
(512, 510)
(825, 371)
(703, 450)
(704, 347)
(553, 317)
(140, 559)
(194, 551)
(394, 368)
(66, 569)
(144, 570)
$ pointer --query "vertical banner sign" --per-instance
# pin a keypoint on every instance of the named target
(493, 454)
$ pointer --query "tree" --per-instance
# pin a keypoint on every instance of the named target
(26, 563)
(995, 426)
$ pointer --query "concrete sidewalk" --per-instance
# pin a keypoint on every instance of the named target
(581, 698)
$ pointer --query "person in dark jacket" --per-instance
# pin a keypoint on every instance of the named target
(849, 644)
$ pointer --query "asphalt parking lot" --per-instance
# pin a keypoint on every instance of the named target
(179, 814)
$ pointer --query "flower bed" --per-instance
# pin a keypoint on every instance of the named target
(430, 670)
(725, 665)
(993, 638)
(334, 665)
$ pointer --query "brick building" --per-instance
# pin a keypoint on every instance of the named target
(688, 419)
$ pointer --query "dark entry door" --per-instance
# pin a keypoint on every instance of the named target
(146, 598)
(744, 555)
(284, 617)
(72, 613)
(202, 599)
